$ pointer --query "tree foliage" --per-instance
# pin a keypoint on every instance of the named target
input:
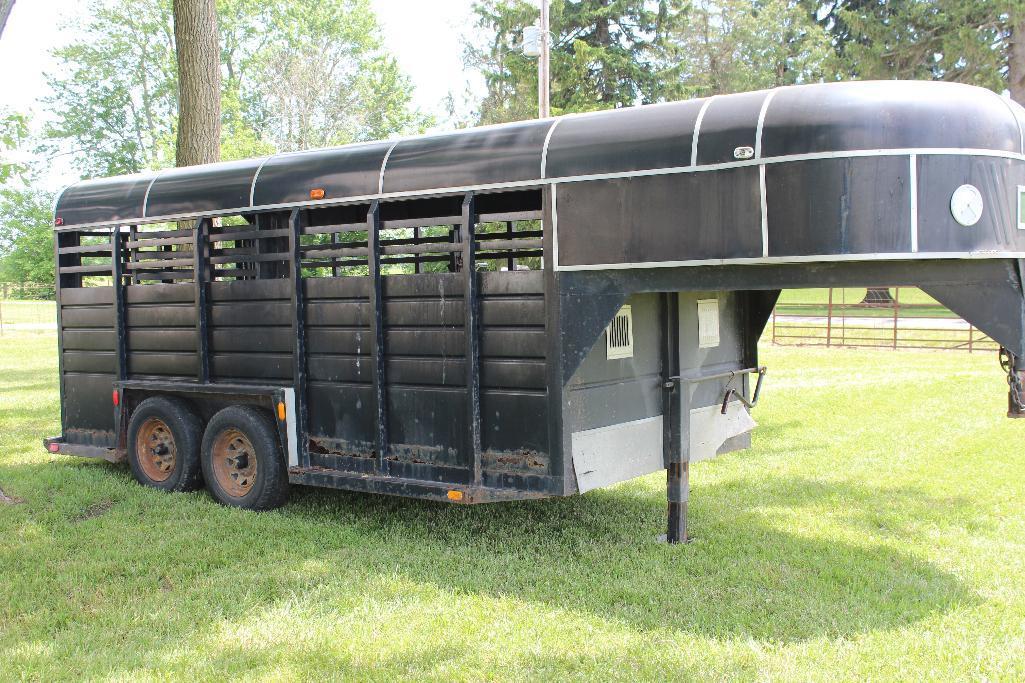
(13, 133)
(26, 236)
(954, 40)
(737, 45)
(295, 74)
(604, 53)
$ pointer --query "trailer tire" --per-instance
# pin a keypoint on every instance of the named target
(168, 432)
(242, 460)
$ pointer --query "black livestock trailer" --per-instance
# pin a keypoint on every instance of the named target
(519, 311)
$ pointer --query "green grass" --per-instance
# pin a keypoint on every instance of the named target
(876, 530)
(14, 311)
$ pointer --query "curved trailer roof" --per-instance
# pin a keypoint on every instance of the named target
(792, 123)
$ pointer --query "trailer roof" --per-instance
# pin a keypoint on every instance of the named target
(774, 124)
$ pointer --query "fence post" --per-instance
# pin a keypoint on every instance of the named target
(896, 311)
(970, 335)
(774, 323)
(829, 319)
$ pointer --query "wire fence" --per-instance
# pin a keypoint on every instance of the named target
(893, 318)
(27, 307)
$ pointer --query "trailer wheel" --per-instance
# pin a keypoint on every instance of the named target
(242, 461)
(163, 445)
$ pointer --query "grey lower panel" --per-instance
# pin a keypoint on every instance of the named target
(608, 455)
(710, 429)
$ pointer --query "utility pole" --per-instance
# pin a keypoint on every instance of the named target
(543, 103)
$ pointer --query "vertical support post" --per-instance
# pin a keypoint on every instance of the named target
(201, 277)
(471, 325)
(896, 313)
(133, 235)
(117, 273)
(675, 419)
(295, 226)
(377, 335)
(971, 335)
(511, 264)
(829, 320)
(416, 256)
(334, 259)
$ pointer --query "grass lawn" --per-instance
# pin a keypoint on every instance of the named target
(876, 530)
(16, 311)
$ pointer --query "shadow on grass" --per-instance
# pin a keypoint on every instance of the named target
(746, 576)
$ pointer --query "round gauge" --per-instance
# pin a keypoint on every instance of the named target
(966, 205)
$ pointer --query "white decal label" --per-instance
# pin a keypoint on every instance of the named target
(708, 323)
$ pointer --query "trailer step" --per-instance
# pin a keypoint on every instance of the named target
(412, 488)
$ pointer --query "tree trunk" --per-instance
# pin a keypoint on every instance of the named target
(1016, 62)
(5, 11)
(199, 82)
(878, 296)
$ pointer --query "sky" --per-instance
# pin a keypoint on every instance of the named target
(424, 35)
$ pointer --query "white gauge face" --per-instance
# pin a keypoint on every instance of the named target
(966, 205)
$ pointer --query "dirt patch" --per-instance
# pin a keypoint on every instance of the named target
(9, 500)
(94, 510)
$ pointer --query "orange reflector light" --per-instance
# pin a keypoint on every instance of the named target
(54, 447)
(281, 411)
(115, 398)
(455, 495)
(317, 193)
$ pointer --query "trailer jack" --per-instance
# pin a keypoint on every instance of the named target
(1015, 369)
(678, 464)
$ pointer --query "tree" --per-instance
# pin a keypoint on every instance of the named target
(604, 53)
(115, 101)
(13, 132)
(26, 236)
(968, 41)
(737, 45)
(326, 78)
(199, 82)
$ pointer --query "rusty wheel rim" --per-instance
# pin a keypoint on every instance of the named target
(155, 449)
(234, 462)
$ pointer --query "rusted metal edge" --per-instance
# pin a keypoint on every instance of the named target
(410, 488)
(83, 451)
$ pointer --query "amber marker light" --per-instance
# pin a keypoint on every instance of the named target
(317, 193)
(281, 411)
(455, 495)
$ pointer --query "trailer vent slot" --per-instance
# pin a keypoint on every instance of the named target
(619, 335)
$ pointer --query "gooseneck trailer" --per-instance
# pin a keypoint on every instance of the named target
(520, 311)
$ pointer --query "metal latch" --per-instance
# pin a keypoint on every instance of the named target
(670, 384)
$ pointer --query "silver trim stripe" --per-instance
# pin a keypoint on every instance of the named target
(145, 198)
(256, 176)
(384, 165)
(761, 122)
(544, 149)
(433, 192)
(823, 258)
(697, 131)
(765, 210)
(913, 191)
